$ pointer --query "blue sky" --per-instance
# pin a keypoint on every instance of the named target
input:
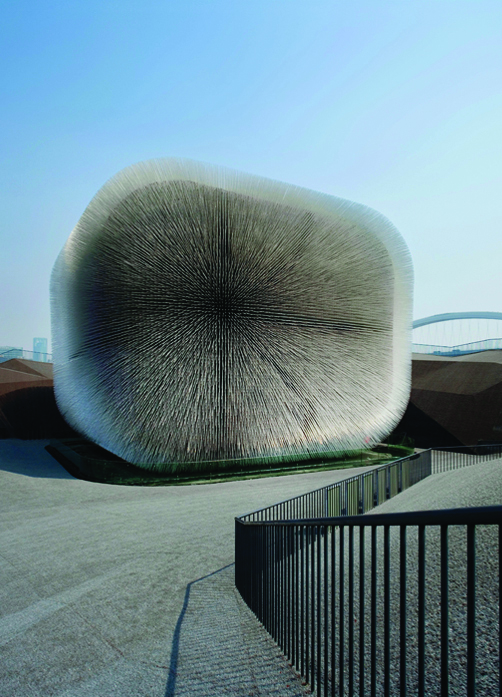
(397, 105)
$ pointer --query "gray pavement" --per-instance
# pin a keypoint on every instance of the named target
(109, 590)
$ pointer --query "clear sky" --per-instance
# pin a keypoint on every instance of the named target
(397, 105)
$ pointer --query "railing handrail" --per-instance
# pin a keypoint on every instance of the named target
(459, 349)
(12, 353)
(482, 515)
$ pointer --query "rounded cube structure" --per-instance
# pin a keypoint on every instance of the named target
(201, 314)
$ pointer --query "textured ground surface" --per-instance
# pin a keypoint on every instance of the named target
(109, 590)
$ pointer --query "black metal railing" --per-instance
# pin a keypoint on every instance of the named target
(373, 613)
(362, 492)
(7, 353)
(353, 495)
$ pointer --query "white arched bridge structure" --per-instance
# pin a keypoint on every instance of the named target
(458, 333)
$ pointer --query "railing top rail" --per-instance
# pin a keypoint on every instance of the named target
(485, 515)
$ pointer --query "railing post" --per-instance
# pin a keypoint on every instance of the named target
(318, 584)
(333, 608)
(312, 608)
(326, 595)
(301, 660)
(373, 608)
(351, 610)
(402, 610)
(296, 574)
(386, 608)
(444, 613)
(308, 592)
(421, 611)
(361, 610)
(471, 610)
(341, 621)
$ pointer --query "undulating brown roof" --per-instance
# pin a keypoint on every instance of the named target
(18, 374)
(455, 400)
(21, 365)
(28, 407)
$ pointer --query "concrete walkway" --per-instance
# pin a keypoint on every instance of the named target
(109, 590)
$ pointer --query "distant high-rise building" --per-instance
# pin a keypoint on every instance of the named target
(39, 349)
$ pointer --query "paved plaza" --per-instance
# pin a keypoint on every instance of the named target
(114, 590)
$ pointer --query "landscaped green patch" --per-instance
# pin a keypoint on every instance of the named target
(86, 460)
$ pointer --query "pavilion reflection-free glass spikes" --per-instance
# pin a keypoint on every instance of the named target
(201, 314)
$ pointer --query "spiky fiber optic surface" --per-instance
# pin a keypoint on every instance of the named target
(201, 314)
